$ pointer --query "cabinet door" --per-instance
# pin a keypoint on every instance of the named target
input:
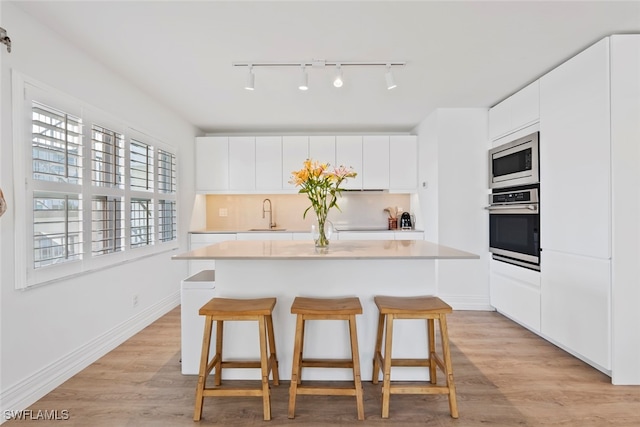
(499, 119)
(295, 150)
(364, 235)
(349, 154)
(575, 155)
(409, 235)
(269, 163)
(403, 163)
(525, 106)
(242, 163)
(375, 162)
(515, 292)
(576, 300)
(323, 149)
(212, 167)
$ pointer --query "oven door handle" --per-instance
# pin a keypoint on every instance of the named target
(514, 208)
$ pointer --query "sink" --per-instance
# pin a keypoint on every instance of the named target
(267, 229)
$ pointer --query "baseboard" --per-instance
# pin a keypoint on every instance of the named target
(466, 302)
(34, 387)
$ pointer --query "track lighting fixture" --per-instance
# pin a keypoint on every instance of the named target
(250, 79)
(337, 82)
(321, 63)
(304, 79)
(391, 83)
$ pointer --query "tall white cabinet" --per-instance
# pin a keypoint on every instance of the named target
(575, 201)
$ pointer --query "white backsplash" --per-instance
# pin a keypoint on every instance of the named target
(358, 209)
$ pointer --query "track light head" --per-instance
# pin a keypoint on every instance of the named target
(337, 82)
(250, 79)
(391, 83)
(304, 80)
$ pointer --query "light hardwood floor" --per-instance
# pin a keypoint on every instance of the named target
(505, 376)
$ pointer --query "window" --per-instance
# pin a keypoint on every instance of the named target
(97, 192)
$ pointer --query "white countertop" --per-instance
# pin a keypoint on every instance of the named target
(295, 250)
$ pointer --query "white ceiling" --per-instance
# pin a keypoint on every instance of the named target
(458, 54)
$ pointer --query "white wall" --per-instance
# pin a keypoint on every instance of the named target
(51, 332)
(453, 151)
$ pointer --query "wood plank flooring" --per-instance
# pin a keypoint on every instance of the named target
(505, 376)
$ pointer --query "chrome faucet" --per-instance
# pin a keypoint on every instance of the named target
(271, 223)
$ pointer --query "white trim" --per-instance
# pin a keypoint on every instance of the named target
(23, 394)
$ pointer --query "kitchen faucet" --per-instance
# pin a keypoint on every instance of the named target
(271, 223)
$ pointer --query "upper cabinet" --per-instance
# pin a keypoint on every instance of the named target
(519, 110)
(242, 163)
(269, 169)
(323, 149)
(349, 154)
(575, 155)
(263, 164)
(295, 150)
(375, 162)
(403, 163)
(212, 166)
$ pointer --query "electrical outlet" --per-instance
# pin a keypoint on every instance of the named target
(222, 212)
(135, 300)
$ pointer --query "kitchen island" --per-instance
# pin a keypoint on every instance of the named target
(286, 269)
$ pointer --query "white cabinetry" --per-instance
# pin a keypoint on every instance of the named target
(199, 240)
(212, 167)
(515, 292)
(366, 235)
(323, 149)
(576, 298)
(295, 150)
(403, 163)
(575, 153)
(242, 163)
(268, 162)
(409, 235)
(267, 235)
(375, 162)
(519, 110)
(349, 154)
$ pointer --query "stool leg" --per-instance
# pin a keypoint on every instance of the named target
(264, 368)
(295, 367)
(304, 325)
(273, 358)
(218, 367)
(377, 354)
(444, 335)
(386, 382)
(355, 356)
(204, 361)
(431, 336)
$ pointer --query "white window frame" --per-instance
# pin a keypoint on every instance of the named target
(25, 91)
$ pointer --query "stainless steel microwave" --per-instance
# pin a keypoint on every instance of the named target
(515, 163)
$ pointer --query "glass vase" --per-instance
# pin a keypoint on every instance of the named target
(321, 233)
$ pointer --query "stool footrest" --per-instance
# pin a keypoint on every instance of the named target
(234, 392)
(325, 391)
(327, 363)
(241, 364)
(411, 362)
(418, 389)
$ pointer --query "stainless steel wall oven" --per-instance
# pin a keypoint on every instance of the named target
(514, 226)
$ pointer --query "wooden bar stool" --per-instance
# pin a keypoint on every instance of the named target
(325, 309)
(226, 309)
(418, 307)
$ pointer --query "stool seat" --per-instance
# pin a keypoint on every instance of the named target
(242, 307)
(325, 309)
(220, 310)
(326, 306)
(430, 308)
(411, 305)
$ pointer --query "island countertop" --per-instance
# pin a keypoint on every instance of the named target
(304, 250)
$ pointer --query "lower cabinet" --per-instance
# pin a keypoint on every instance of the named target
(576, 301)
(267, 235)
(366, 235)
(515, 292)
